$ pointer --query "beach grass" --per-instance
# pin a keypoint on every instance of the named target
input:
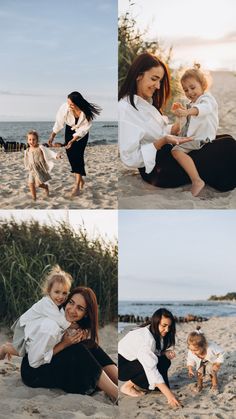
(28, 251)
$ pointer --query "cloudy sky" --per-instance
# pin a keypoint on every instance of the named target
(50, 48)
(202, 31)
(176, 255)
(101, 223)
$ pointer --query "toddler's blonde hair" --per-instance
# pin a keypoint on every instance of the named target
(34, 133)
(56, 274)
(197, 339)
(196, 74)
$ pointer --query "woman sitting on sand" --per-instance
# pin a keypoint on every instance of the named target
(144, 357)
(146, 139)
(73, 361)
(77, 115)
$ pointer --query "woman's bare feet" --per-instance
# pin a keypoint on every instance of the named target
(197, 186)
(75, 191)
(81, 183)
(129, 389)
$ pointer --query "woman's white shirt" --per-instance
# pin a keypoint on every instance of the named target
(140, 344)
(66, 116)
(138, 129)
(215, 354)
(44, 325)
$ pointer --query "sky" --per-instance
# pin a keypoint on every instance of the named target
(51, 48)
(176, 255)
(101, 223)
(199, 31)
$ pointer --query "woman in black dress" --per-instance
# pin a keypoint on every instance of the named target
(77, 115)
(76, 364)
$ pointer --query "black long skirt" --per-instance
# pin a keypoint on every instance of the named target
(215, 162)
(134, 371)
(75, 153)
(76, 369)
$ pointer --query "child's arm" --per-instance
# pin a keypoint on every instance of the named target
(190, 371)
(186, 112)
(190, 364)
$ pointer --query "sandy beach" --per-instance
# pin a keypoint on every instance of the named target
(100, 190)
(204, 405)
(133, 192)
(20, 402)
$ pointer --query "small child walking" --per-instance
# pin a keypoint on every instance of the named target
(205, 357)
(202, 123)
(55, 289)
(38, 160)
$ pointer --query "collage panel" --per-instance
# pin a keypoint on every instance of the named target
(58, 108)
(176, 105)
(58, 288)
(177, 314)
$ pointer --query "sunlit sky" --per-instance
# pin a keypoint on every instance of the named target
(202, 31)
(101, 223)
(176, 255)
(50, 48)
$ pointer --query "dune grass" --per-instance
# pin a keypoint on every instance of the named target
(28, 250)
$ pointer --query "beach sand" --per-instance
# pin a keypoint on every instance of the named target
(133, 192)
(204, 405)
(20, 402)
(100, 189)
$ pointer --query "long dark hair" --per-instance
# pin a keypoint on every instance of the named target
(90, 109)
(142, 63)
(90, 320)
(169, 339)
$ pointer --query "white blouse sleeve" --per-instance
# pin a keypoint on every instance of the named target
(40, 349)
(132, 152)
(149, 361)
(60, 118)
(206, 105)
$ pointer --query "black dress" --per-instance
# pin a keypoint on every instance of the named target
(215, 162)
(76, 369)
(75, 153)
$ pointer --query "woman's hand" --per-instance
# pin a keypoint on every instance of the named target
(173, 402)
(51, 138)
(169, 354)
(172, 139)
(72, 336)
(181, 112)
(69, 144)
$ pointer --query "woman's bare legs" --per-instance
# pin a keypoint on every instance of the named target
(188, 165)
(32, 190)
(112, 372)
(129, 389)
(79, 183)
(107, 385)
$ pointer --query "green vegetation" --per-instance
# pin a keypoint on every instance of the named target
(230, 296)
(132, 42)
(27, 252)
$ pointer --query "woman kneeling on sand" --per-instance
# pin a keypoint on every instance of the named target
(146, 139)
(145, 357)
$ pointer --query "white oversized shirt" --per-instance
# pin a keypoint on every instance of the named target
(140, 344)
(44, 325)
(215, 354)
(66, 116)
(138, 129)
(205, 124)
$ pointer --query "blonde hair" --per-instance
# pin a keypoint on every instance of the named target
(56, 275)
(34, 133)
(197, 339)
(196, 74)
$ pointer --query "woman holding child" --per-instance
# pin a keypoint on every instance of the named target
(146, 139)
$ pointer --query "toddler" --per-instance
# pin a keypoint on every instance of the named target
(38, 161)
(55, 289)
(201, 123)
(205, 357)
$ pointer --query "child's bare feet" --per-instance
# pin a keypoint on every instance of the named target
(197, 186)
(129, 389)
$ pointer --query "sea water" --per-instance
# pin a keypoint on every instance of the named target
(102, 132)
